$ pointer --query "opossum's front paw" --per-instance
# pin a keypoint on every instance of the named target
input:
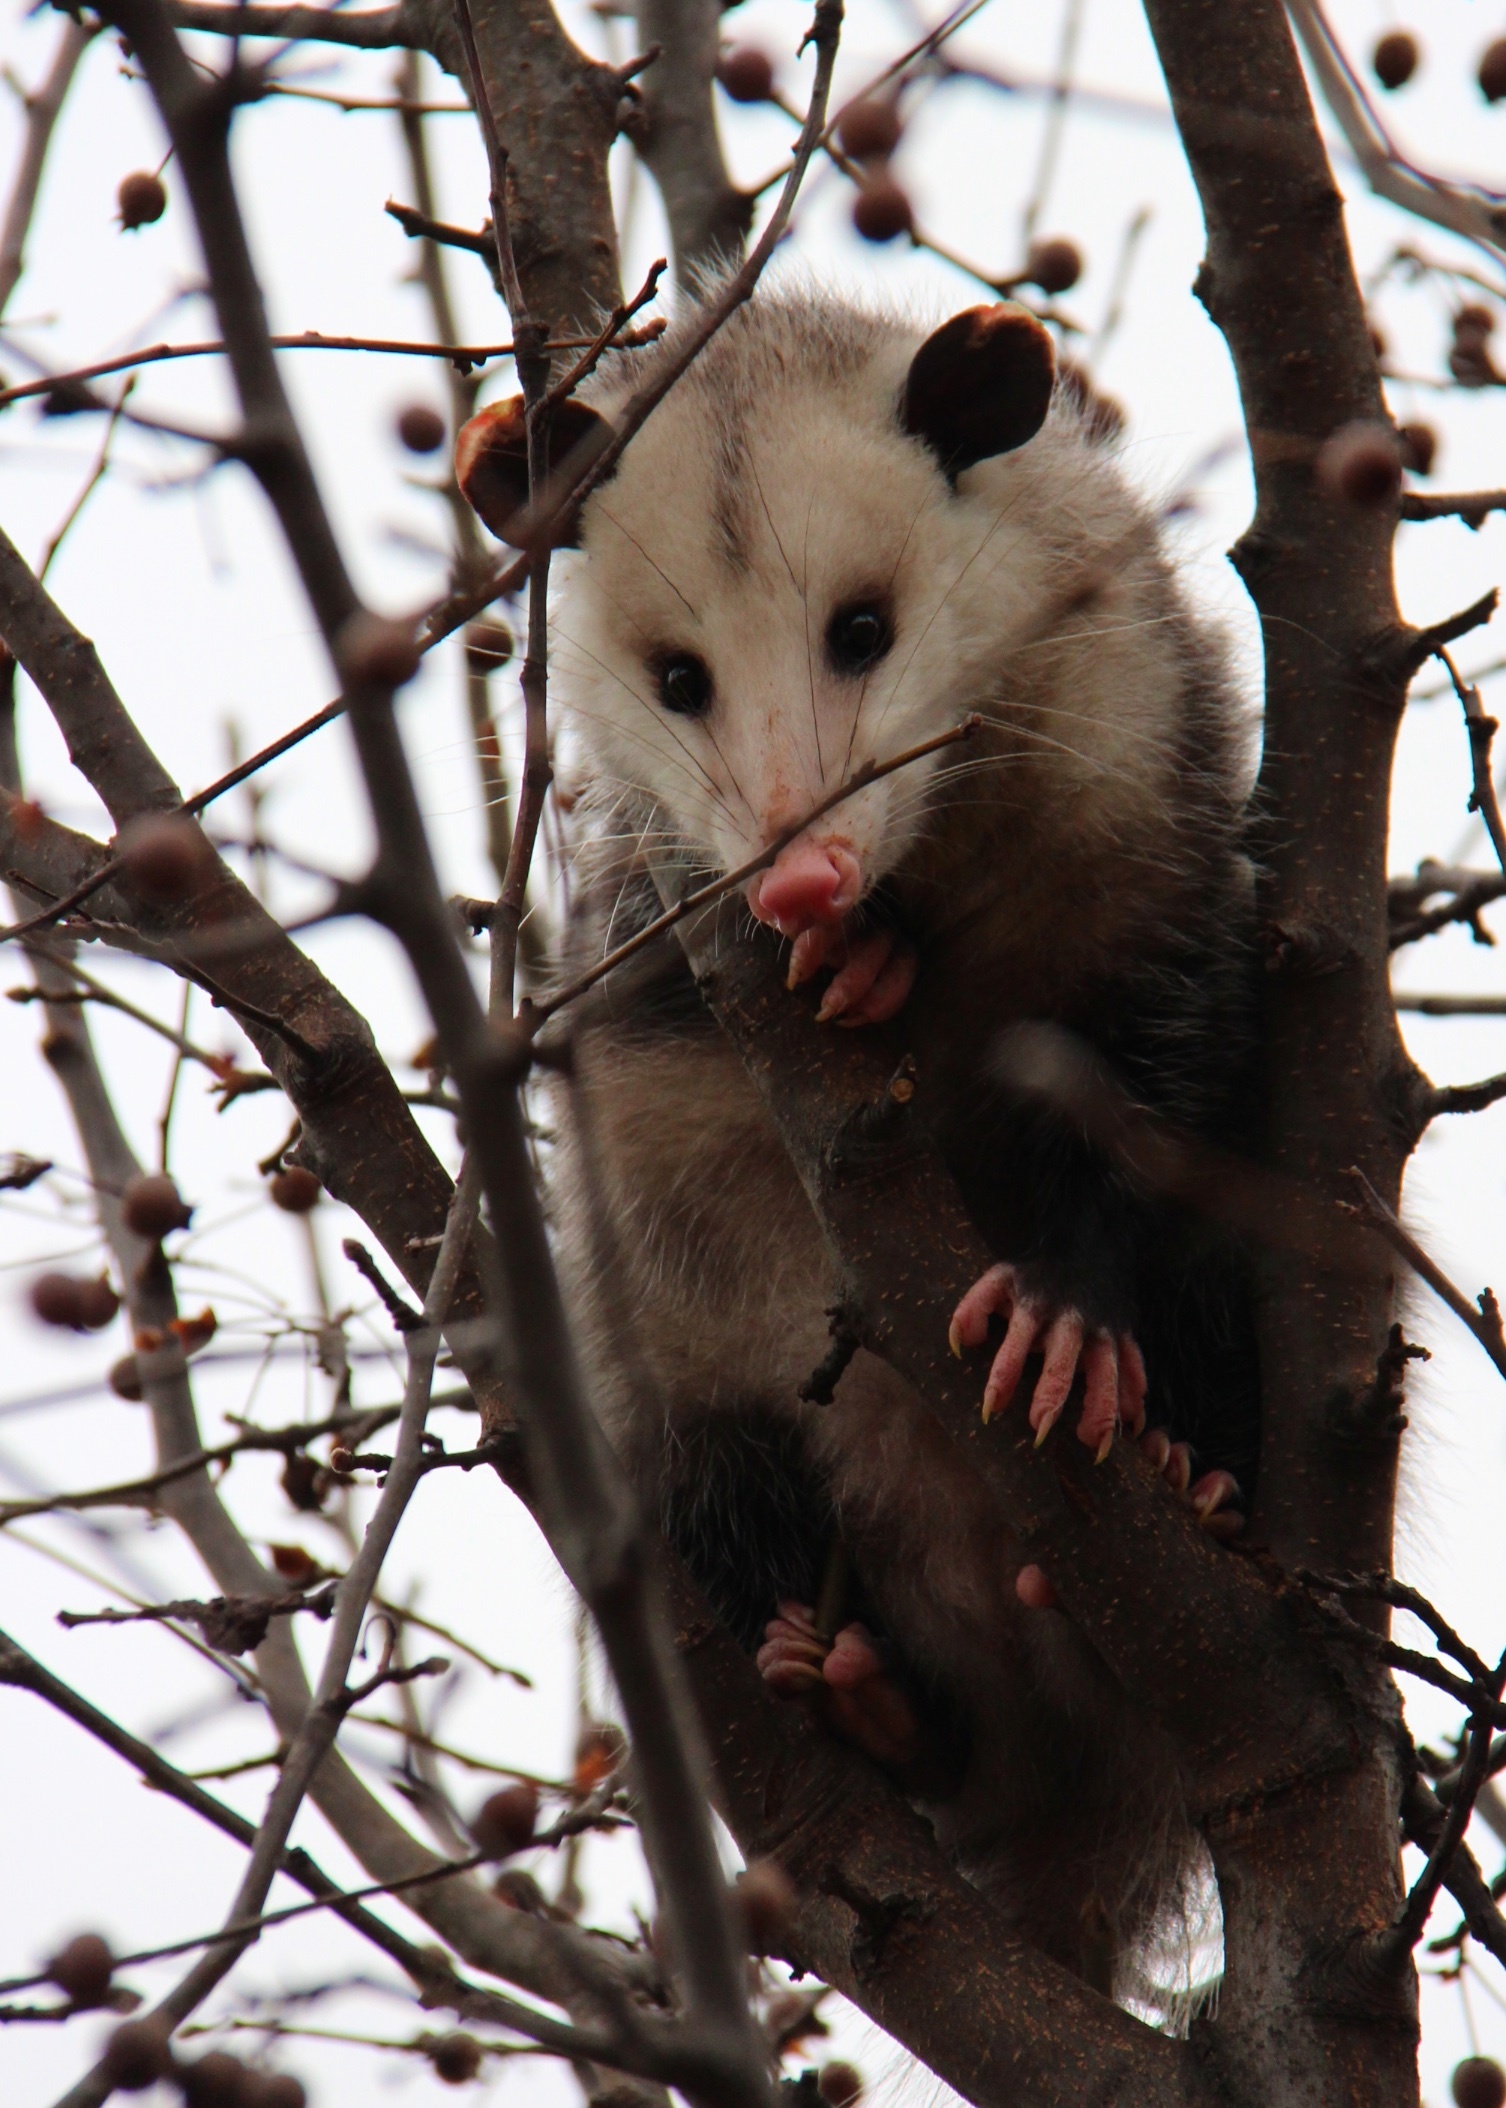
(862, 1700)
(1209, 1495)
(1113, 1372)
(873, 974)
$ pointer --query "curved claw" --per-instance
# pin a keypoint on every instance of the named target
(872, 983)
(1113, 1371)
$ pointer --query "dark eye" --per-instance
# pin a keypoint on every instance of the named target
(857, 637)
(684, 683)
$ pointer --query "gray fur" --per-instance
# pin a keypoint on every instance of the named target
(1081, 864)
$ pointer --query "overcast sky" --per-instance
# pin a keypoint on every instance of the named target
(182, 582)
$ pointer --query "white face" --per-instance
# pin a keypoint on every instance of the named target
(851, 613)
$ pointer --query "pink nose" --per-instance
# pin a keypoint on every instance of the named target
(809, 883)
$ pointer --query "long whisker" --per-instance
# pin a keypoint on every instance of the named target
(628, 536)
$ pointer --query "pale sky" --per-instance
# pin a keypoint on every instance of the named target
(183, 585)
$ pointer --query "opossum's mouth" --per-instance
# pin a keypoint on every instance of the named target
(810, 885)
(808, 894)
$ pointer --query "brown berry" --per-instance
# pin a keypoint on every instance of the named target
(1479, 2082)
(1492, 74)
(294, 1564)
(598, 1752)
(375, 652)
(74, 1302)
(124, 1379)
(456, 2058)
(422, 430)
(137, 2055)
(304, 1482)
(880, 211)
(275, 2089)
(1054, 265)
(97, 1303)
(83, 1969)
(1394, 58)
(869, 129)
(141, 198)
(505, 1821)
(152, 1205)
(1361, 464)
(216, 2080)
(840, 2085)
(1473, 323)
(294, 1190)
(488, 646)
(746, 73)
(164, 857)
(1419, 448)
(766, 1899)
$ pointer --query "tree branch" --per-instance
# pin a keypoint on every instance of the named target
(1465, 210)
(42, 107)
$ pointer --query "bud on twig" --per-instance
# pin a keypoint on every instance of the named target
(83, 1969)
(294, 1190)
(152, 1205)
(1055, 265)
(422, 430)
(74, 1302)
(141, 199)
(880, 211)
(1394, 58)
(505, 1821)
(746, 73)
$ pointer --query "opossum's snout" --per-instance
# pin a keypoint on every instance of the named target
(808, 885)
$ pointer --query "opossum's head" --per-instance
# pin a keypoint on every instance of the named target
(800, 566)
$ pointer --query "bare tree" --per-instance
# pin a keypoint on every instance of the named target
(1269, 1664)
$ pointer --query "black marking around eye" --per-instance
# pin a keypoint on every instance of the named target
(858, 636)
(683, 682)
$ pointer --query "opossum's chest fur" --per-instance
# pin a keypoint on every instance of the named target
(781, 584)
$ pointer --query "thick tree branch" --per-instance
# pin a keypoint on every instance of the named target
(676, 134)
(1337, 666)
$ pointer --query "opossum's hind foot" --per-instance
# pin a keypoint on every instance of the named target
(862, 1701)
(1112, 1371)
(873, 977)
(1209, 1495)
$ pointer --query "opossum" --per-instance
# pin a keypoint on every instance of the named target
(836, 536)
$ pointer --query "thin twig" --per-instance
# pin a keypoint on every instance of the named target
(42, 106)
(332, 1698)
(1471, 506)
(1415, 1912)
(1483, 1318)
(463, 355)
(1452, 1005)
(1482, 728)
(1464, 210)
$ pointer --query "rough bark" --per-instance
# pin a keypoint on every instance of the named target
(1279, 282)
(675, 132)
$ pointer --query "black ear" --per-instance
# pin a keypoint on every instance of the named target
(980, 385)
(491, 465)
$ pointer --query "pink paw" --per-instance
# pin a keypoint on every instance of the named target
(1208, 1496)
(862, 1700)
(873, 978)
(1112, 1371)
